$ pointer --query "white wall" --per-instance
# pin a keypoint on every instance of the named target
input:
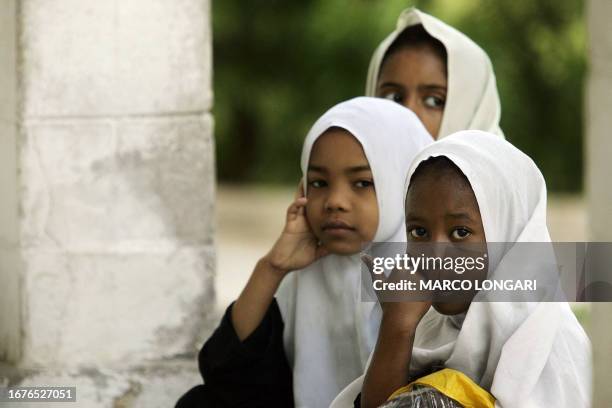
(10, 271)
(107, 194)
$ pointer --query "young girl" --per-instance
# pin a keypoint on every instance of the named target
(438, 73)
(317, 338)
(473, 187)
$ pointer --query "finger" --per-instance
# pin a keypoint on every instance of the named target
(293, 208)
(302, 201)
(296, 208)
(300, 190)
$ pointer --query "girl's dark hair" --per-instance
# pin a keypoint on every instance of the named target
(439, 165)
(416, 37)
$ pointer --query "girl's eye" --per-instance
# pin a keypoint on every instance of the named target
(434, 102)
(393, 96)
(460, 233)
(364, 183)
(417, 232)
(317, 183)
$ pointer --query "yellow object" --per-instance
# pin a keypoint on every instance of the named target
(456, 385)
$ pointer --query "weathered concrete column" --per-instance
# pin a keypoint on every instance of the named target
(598, 176)
(10, 270)
(107, 187)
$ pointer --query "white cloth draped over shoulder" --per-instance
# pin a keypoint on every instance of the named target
(472, 100)
(329, 332)
(527, 354)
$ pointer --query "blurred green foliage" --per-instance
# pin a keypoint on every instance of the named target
(279, 64)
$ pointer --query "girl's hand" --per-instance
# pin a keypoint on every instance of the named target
(297, 247)
(399, 312)
(402, 312)
(404, 316)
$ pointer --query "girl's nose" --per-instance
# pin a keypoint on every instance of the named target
(337, 200)
(412, 103)
(439, 245)
(440, 237)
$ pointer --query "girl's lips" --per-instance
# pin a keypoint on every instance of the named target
(337, 228)
(336, 225)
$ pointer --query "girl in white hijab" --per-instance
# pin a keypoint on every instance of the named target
(315, 339)
(439, 73)
(526, 354)
(329, 333)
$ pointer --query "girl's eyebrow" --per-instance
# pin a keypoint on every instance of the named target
(432, 87)
(462, 216)
(352, 169)
(389, 84)
(319, 169)
(414, 218)
(357, 169)
(426, 87)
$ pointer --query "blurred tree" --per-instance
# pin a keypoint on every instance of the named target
(539, 55)
(280, 64)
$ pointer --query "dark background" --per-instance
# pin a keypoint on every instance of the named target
(279, 64)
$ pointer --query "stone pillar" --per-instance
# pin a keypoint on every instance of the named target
(598, 185)
(107, 192)
(10, 269)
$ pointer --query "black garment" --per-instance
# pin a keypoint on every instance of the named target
(253, 373)
(357, 402)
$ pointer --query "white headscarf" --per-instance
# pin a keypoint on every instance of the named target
(329, 333)
(525, 354)
(472, 100)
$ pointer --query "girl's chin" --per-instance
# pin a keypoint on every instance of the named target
(451, 309)
(342, 248)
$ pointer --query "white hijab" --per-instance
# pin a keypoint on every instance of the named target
(526, 354)
(472, 100)
(329, 333)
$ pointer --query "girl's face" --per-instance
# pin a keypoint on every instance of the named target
(342, 209)
(416, 78)
(441, 208)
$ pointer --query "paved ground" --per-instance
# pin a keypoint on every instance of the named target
(250, 218)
